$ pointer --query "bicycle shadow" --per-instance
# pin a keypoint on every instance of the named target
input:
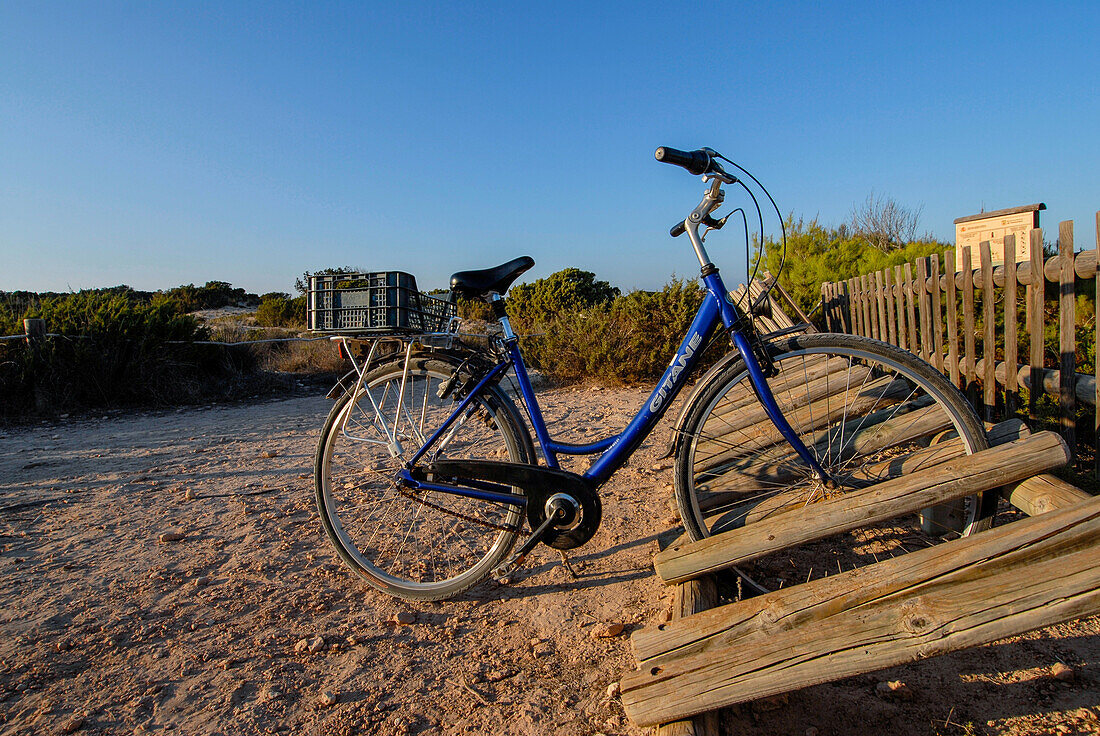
(586, 577)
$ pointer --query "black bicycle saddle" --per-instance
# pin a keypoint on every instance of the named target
(477, 284)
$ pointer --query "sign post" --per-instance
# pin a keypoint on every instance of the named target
(994, 226)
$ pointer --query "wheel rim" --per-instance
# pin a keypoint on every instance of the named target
(741, 471)
(405, 542)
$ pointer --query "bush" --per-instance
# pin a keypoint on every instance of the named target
(114, 351)
(279, 310)
(625, 340)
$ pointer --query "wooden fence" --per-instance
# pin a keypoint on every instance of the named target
(919, 306)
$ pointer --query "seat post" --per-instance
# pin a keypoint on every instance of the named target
(496, 301)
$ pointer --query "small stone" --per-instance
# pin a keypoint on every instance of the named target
(201, 581)
(812, 731)
(328, 699)
(172, 537)
(1062, 728)
(73, 725)
(64, 646)
(268, 454)
(403, 618)
(614, 690)
(1063, 672)
(301, 646)
(894, 689)
(1087, 714)
(189, 495)
(316, 644)
(607, 630)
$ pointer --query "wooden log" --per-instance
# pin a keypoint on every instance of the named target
(1042, 494)
(694, 596)
(952, 320)
(881, 392)
(793, 373)
(809, 391)
(1067, 338)
(965, 476)
(910, 310)
(790, 607)
(1049, 380)
(875, 433)
(917, 461)
(1011, 343)
(921, 295)
(968, 324)
(989, 344)
(1035, 296)
(937, 318)
(933, 601)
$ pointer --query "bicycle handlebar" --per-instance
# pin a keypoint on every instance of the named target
(696, 162)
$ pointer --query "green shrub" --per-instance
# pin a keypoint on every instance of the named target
(279, 310)
(569, 290)
(114, 350)
(625, 340)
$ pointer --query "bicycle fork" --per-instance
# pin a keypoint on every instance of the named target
(767, 400)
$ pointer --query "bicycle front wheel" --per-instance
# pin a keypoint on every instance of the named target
(419, 545)
(868, 412)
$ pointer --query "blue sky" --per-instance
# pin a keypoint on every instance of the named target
(155, 144)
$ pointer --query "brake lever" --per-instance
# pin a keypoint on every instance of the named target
(711, 224)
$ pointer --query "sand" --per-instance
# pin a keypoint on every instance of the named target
(177, 580)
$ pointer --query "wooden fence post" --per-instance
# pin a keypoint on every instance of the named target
(989, 340)
(910, 310)
(1067, 342)
(952, 318)
(34, 329)
(969, 342)
(899, 297)
(922, 308)
(937, 315)
(891, 320)
(1036, 296)
(1012, 363)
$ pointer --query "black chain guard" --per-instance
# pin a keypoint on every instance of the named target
(574, 534)
(538, 485)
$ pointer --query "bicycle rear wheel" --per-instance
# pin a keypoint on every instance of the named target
(868, 412)
(414, 544)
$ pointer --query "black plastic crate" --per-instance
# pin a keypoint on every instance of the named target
(384, 301)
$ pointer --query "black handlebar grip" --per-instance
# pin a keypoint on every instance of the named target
(696, 162)
(678, 229)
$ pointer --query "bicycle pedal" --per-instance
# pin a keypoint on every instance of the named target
(505, 572)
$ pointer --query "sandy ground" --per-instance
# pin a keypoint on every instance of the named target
(248, 621)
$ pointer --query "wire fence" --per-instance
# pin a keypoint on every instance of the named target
(176, 342)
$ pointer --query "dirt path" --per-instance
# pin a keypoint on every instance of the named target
(242, 625)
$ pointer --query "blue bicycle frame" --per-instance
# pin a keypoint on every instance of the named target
(717, 308)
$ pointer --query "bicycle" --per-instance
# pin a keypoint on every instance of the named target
(426, 471)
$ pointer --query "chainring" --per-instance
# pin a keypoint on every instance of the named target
(576, 531)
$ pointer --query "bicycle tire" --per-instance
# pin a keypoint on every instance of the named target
(863, 407)
(441, 543)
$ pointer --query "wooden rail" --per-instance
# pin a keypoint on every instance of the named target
(924, 306)
(974, 590)
(964, 476)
